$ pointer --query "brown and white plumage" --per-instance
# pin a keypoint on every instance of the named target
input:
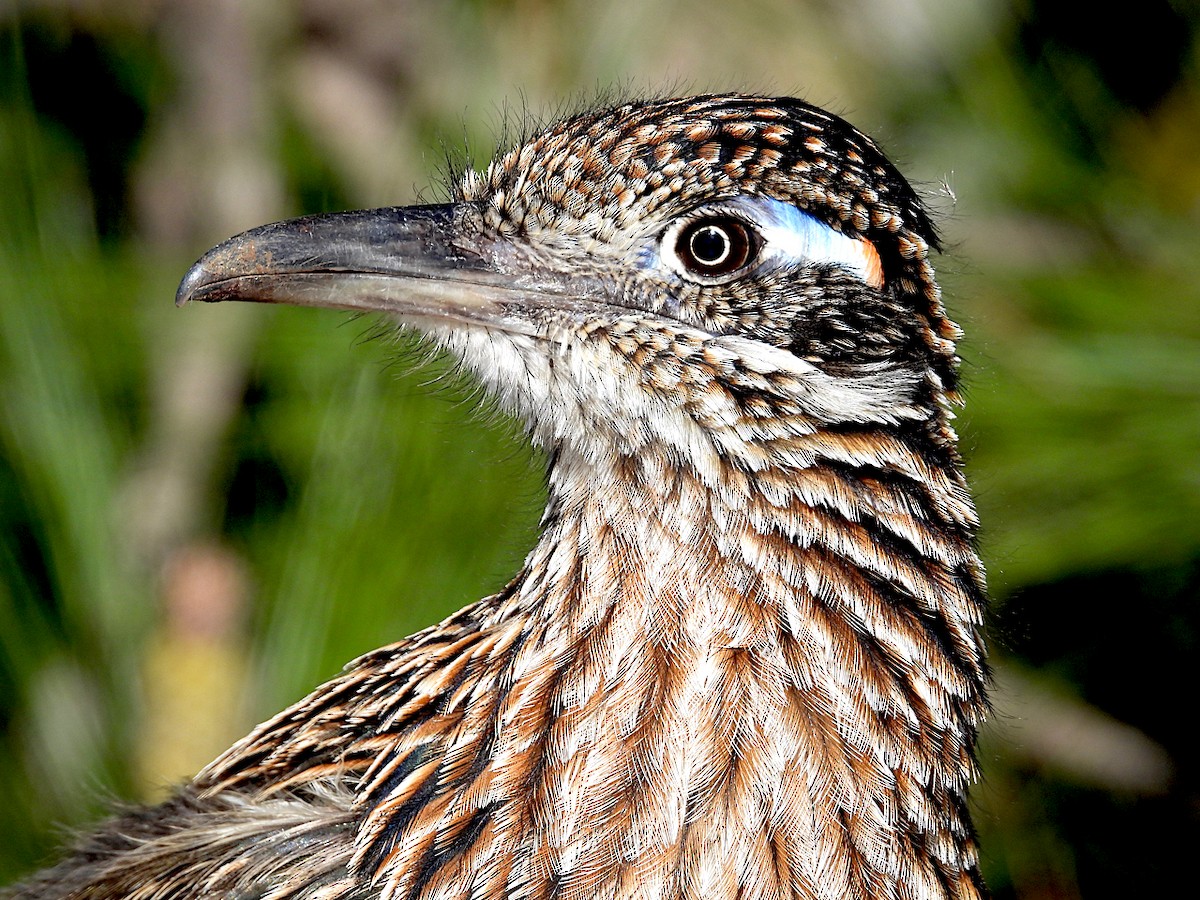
(744, 658)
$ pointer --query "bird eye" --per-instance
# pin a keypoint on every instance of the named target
(715, 246)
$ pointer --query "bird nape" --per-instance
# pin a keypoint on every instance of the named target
(744, 658)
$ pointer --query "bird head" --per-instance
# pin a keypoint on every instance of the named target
(708, 275)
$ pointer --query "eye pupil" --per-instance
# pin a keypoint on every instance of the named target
(715, 246)
(710, 245)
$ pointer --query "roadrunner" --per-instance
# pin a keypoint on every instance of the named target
(744, 659)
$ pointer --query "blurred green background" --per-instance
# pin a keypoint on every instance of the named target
(205, 512)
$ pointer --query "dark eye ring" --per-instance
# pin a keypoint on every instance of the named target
(715, 246)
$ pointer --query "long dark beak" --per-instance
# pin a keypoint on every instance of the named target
(413, 262)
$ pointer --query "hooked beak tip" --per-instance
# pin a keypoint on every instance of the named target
(193, 282)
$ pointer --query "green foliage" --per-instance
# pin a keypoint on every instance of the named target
(66, 603)
(368, 504)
